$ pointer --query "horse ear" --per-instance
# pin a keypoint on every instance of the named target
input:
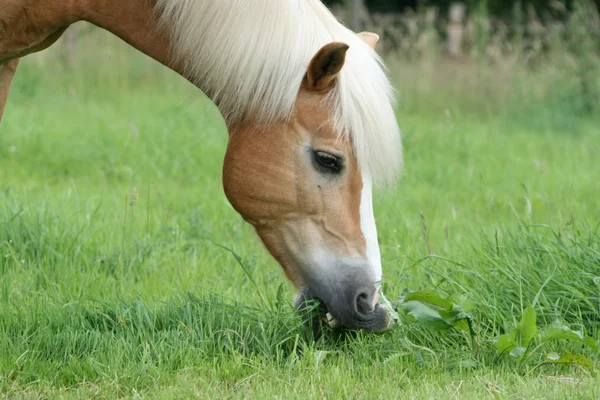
(325, 66)
(369, 38)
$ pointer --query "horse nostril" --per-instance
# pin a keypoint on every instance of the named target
(364, 303)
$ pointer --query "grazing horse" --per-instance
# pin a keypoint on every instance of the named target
(310, 116)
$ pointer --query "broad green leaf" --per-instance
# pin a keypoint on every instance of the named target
(426, 315)
(526, 329)
(558, 330)
(432, 310)
(572, 359)
(465, 303)
(516, 342)
(464, 325)
(506, 342)
(561, 332)
(592, 343)
(429, 297)
(458, 319)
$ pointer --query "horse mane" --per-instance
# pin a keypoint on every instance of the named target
(251, 55)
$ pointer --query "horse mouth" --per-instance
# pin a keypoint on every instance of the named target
(317, 311)
(383, 303)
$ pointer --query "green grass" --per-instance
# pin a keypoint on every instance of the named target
(114, 284)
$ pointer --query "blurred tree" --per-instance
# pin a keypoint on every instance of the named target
(499, 8)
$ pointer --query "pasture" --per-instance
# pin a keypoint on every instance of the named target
(125, 272)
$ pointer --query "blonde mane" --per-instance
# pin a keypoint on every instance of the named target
(253, 54)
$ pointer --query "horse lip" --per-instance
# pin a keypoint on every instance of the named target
(334, 323)
(392, 317)
(373, 321)
(380, 319)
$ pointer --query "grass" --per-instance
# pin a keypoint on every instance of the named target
(114, 283)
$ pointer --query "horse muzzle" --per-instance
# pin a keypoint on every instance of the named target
(353, 302)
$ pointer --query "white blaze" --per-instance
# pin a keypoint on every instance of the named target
(367, 225)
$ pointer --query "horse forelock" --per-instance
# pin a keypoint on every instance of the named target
(250, 57)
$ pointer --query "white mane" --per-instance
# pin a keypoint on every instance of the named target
(253, 54)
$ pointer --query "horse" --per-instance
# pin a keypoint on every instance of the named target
(309, 111)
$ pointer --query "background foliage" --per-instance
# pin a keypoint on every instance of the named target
(498, 8)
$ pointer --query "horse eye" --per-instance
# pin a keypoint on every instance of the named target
(328, 162)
